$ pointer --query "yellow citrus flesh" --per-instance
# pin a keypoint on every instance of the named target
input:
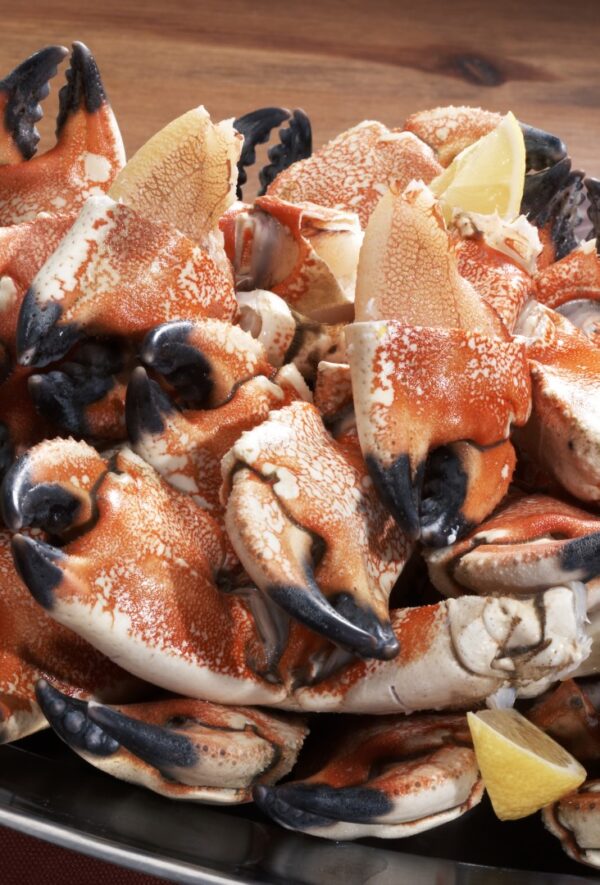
(488, 176)
(184, 175)
(522, 768)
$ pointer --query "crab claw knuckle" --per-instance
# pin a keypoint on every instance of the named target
(51, 486)
(279, 480)
(573, 819)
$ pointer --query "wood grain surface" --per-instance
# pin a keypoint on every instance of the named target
(340, 60)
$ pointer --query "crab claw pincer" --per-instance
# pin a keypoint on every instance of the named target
(151, 273)
(437, 381)
(304, 519)
(390, 778)
(179, 747)
(89, 150)
(529, 544)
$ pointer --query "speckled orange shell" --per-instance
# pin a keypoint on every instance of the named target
(118, 273)
(352, 171)
(419, 388)
(84, 162)
(325, 489)
(577, 275)
(33, 646)
(501, 282)
(449, 130)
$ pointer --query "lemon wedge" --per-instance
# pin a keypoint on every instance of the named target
(522, 768)
(184, 175)
(488, 176)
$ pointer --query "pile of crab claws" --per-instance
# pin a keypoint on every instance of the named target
(178, 747)
(530, 543)
(20, 95)
(388, 778)
(89, 150)
(298, 549)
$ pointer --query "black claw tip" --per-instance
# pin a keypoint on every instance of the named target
(399, 490)
(39, 339)
(146, 405)
(581, 557)
(63, 396)
(442, 497)
(25, 88)
(167, 350)
(311, 608)
(551, 199)
(256, 128)
(35, 562)
(270, 800)
(592, 186)
(84, 86)
(160, 747)
(385, 640)
(69, 719)
(47, 506)
(542, 148)
(353, 804)
(6, 449)
(295, 144)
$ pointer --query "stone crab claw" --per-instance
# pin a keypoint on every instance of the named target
(304, 519)
(389, 778)
(353, 170)
(562, 434)
(117, 273)
(530, 543)
(89, 150)
(449, 130)
(575, 820)
(137, 573)
(437, 382)
(32, 646)
(178, 747)
(551, 201)
(569, 714)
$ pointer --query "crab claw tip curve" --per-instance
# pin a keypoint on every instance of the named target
(35, 562)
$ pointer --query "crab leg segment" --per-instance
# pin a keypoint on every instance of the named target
(33, 645)
(569, 713)
(389, 778)
(424, 399)
(117, 273)
(575, 820)
(306, 523)
(459, 652)
(139, 581)
(181, 748)
(88, 154)
(352, 171)
(572, 287)
(529, 544)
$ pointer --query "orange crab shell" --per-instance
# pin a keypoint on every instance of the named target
(449, 130)
(429, 387)
(34, 646)
(575, 276)
(352, 171)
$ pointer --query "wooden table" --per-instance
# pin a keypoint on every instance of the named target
(340, 60)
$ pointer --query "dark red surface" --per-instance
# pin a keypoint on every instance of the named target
(28, 861)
